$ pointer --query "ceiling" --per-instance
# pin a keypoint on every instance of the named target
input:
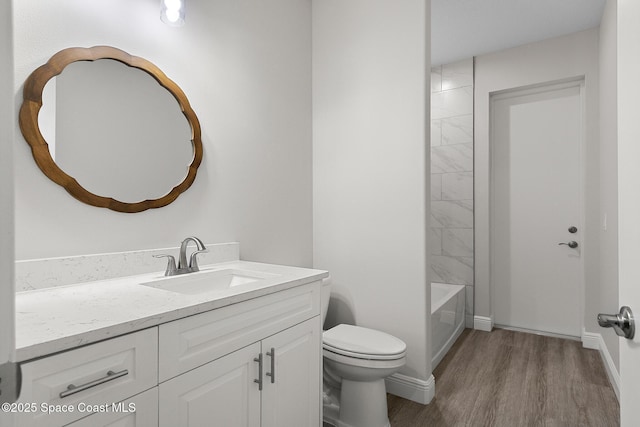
(464, 28)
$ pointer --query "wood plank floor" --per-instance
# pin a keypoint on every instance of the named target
(507, 378)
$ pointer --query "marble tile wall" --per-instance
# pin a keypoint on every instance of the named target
(452, 177)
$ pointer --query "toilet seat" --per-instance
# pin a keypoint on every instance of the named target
(365, 363)
(363, 343)
(366, 356)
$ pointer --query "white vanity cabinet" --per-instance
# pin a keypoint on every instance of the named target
(261, 364)
(251, 362)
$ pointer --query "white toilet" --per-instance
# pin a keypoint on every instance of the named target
(356, 362)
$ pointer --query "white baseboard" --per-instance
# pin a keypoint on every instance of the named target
(596, 342)
(414, 389)
(482, 323)
(591, 340)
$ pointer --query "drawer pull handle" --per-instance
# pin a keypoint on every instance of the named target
(259, 380)
(272, 374)
(73, 389)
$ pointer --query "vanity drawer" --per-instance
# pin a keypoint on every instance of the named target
(139, 411)
(194, 341)
(102, 373)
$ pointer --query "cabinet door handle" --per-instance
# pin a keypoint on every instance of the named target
(272, 374)
(259, 380)
(73, 389)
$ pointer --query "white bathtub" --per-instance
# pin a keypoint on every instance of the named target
(447, 318)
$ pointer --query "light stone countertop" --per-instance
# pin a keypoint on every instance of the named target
(61, 318)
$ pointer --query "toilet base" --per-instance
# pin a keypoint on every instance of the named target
(362, 404)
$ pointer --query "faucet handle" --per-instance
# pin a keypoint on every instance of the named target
(193, 260)
(171, 264)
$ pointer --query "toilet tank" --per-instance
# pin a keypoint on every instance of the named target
(325, 295)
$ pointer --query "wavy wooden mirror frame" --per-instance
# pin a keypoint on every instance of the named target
(32, 102)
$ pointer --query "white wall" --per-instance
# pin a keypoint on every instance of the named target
(549, 60)
(371, 167)
(7, 120)
(605, 298)
(245, 66)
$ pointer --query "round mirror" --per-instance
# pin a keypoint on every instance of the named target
(106, 126)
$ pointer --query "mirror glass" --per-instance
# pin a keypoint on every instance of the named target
(111, 128)
(115, 130)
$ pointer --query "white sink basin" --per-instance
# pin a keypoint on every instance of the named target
(207, 281)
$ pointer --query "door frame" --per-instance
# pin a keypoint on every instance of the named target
(8, 124)
(537, 88)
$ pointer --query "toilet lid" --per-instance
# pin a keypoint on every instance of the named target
(362, 342)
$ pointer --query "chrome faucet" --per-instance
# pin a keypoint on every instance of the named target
(193, 260)
(184, 267)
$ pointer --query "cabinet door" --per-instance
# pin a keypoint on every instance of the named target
(139, 411)
(220, 393)
(291, 393)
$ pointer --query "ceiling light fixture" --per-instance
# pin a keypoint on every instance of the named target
(172, 12)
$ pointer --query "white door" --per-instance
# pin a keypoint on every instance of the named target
(220, 393)
(291, 392)
(629, 201)
(536, 197)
